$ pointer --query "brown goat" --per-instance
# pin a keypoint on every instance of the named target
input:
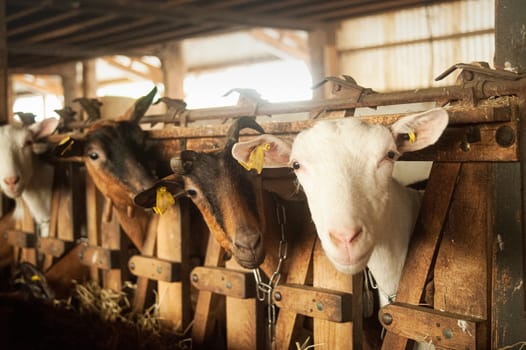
(117, 160)
(236, 209)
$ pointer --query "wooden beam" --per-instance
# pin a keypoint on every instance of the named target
(166, 13)
(42, 23)
(5, 108)
(69, 29)
(25, 12)
(154, 73)
(173, 70)
(40, 83)
(279, 47)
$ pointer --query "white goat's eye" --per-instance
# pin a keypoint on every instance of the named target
(28, 143)
(391, 154)
(93, 155)
(296, 165)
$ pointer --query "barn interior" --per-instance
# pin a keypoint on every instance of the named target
(156, 273)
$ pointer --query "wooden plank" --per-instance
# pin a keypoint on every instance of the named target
(443, 329)
(53, 246)
(5, 108)
(208, 310)
(425, 240)
(289, 322)
(155, 269)
(65, 270)
(93, 218)
(244, 320)
(21, 239)
(144, 285)
(461, 270)
(231, 283)
(110, 239)
(334, 335)
(321, 303)
(172, 245)
(102, 258)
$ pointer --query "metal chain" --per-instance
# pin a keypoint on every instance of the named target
(264, 289)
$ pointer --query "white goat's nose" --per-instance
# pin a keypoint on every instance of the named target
(344, 237)
(11, 180)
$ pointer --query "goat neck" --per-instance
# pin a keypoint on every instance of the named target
(388, 257)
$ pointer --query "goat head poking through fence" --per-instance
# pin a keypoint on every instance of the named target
(227, 196)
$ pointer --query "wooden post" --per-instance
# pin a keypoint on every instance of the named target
(332, 335)
(508, 319)
(324, 60)
(5, 108)
(173, 67)
(69, 83)
(172, 245)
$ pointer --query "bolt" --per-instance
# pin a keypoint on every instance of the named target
(387, 319)
(277, 296)
(228, 285)
(132, 266)
(448, 333)
(195, 278)
(505, 136)
(467, 75)
(319, 306)
(159, 269)
(465, 146)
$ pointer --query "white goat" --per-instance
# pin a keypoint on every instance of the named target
(363, 216)
(22, 174)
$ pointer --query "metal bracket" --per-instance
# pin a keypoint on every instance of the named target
(345, 87)
(248, 98)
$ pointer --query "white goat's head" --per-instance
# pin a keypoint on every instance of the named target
(345, 168)
(16, 154)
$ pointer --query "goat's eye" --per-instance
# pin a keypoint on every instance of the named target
(28, 143)
(296, 165)
(93, 155)
(391, 154)
(191, 193)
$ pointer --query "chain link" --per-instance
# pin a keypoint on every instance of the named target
(264, 289)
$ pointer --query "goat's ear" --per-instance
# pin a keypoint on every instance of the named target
(417, 131)
(148, 198)
(44, 128)
(276, 155)
(139, 108)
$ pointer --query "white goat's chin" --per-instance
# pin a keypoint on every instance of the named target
(349, 269)
(13, 193)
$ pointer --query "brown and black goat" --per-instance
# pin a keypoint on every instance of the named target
(116, 158)
(239, 213)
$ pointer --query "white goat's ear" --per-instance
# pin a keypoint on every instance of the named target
(44, 128)
(276, 156)
(417, 131)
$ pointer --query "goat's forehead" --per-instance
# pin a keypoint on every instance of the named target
(343, 136)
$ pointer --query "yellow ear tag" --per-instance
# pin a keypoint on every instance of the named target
(163, 200)
(66, 142)
(256, 158)
(412, 137)
(35, 278)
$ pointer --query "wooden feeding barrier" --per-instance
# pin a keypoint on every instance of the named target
(471, 220)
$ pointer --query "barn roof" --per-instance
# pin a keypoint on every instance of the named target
(43, 33)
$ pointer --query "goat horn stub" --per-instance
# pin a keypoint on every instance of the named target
(239, 124)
